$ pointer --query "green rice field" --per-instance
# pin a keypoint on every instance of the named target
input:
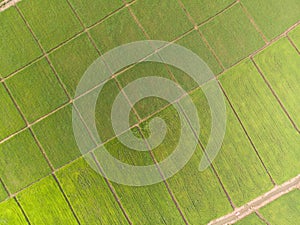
(251, 46)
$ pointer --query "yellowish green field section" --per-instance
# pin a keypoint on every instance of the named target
(252, 47)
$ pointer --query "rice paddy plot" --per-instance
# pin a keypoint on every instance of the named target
(10, 119)
(15, 52)
(92, 11)
(55, 134)
(42, 209)
(273, 18)
(202, 10)
(237, 163)
(232, 36)
(72, 60)
(280, 65)
(155, 22)
(36, 90)
(16, 156)
(266, 123)
(55, 24)
(116, 30)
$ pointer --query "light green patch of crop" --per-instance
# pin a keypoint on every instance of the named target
(53, 22)
(92, 11)
(36, 90)
(273, 17)
(10, 213)
(283, 211)
(269, 128)
(232, 36)
(10, 119)
(72, 60)
(89, 195)
(250, 220)
(237, 164)
(21, 162)
(44, 203)
(55, 133)
(17, 46)
(162, 20)
(201, 10)
(280, 64)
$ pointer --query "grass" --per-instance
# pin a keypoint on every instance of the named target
(273, 18)
(92, 11)
(16, 156)
(250, 220)
(41, 209)
(232, 36)
(15, 52)
(264, 120)
(283, 211)
(49, 28)
(36, 90)
(72, 60)
(10, 213)
(198, 193)
(55, 133)
(10, 119)
(280, 64)
(155, 22)
(202, 10)
(89, 195)
(237, 164)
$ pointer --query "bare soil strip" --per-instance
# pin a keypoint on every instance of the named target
(256, 204)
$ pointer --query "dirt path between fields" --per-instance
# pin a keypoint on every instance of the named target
(7, 3)
(258, 203)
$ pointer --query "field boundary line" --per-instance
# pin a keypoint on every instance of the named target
(259, 202)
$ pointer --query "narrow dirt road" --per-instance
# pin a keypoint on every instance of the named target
(258, 203)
